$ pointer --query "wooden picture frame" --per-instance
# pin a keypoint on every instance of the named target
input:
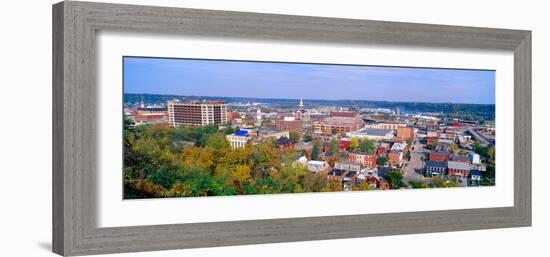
(75, 25)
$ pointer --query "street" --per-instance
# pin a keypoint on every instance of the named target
(414, 168)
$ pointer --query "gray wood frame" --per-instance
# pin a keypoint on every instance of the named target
(74, 130)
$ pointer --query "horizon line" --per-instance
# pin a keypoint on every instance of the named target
(309, 99)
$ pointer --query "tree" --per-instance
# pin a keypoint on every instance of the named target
(441, 183)
(135, 189)
(361, 186)
(202, 158)
(354, 144)
(366, 145)
(316, 151)
(408, 155)
(418, 184)
(242, 173)
(491, 154)
(335, 186)
(381, 161)
(395, 178)
(308, 137)
(228, 130)
(334, 145)
(294, 137)
(218, 142)
(489, 176)
(165, 177)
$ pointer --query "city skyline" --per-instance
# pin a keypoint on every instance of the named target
(221, 78)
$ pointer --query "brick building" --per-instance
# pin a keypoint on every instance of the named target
(406, 133)
(289, 124)
(459, 169)
(365, 159)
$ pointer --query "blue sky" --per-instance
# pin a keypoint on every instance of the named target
(310, 81)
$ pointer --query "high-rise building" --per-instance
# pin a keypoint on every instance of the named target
(197, 112)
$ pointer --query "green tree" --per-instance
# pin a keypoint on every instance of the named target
(408, 155)
(381, 161)
(418, 184)
(308, 137)
(395, 178)
(294, 137)
(334, 145)
(218, 142)
(229, 130)
(361, 186)
(316, 150)
(442, 183)
(166, 177)
(367, 145)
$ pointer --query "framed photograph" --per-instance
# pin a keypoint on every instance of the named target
(182, 128)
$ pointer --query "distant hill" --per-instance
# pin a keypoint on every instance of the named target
(484, 111)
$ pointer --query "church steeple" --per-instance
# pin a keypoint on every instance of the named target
(301, 106)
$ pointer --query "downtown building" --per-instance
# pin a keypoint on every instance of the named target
(340, 122)
(197, 113)
(290, 124)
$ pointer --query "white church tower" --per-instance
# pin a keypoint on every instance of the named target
(259, 115)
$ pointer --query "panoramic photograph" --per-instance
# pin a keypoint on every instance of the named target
(197, 127)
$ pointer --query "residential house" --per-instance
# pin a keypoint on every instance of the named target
(474, 158)
(382, 149)
(318, 167)
(365, 159)
(345, 143)
(475, 177)
(399, 146)
(345, 173)
(395, 158)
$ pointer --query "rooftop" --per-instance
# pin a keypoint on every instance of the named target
(458, 165)
(459, 157)
(399, 146)
(241, 133)
(283, 141)
(439, 153)
(347, 166)
(349, 114)
(436, 164)
(476, 172)
(372, 132)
